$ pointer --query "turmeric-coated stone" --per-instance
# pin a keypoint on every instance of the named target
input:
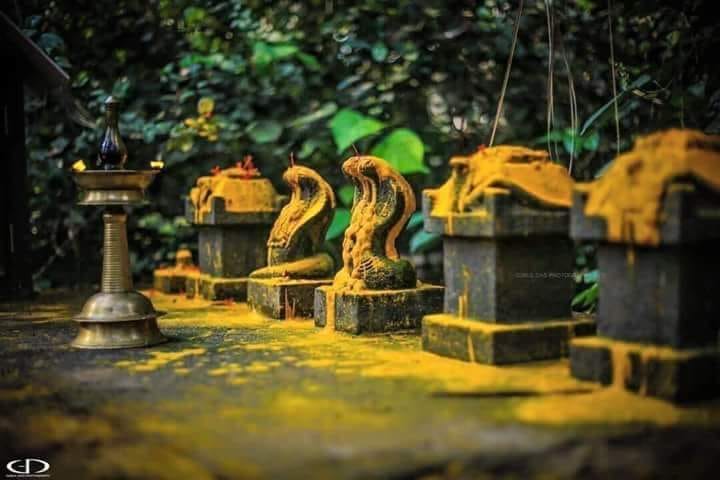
(296, 264)
(376, 290)
(508, 263)
(173, 279)
(655, 215)
(233, 211)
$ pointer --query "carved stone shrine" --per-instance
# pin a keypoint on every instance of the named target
(296, 264)
(233, 211)
(656, 217)
(376, 290)
(508, 262)
(173, 279)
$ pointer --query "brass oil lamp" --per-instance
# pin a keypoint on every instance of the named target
(118, 316)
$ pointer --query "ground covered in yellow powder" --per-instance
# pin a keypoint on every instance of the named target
(236, 395)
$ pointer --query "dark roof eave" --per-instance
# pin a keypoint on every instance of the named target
(41, 71)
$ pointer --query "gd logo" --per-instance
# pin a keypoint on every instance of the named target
(28, 467)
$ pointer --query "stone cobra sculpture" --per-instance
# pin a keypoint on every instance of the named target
(299, 232)
(382, 206)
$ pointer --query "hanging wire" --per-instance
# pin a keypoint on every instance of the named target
(551, 74)
(614, 82)
(498, 112)
(573, 104)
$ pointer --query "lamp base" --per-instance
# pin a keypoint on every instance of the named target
(118, 320)
(125, 334)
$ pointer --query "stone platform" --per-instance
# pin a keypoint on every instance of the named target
(499, 344)
(171, 280)
(237, 395)
(376, 311)
(216, 288)
(281, 299)
(664, 372)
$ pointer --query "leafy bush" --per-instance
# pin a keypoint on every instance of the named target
(204, 83)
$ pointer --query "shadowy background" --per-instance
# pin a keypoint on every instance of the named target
(204, 83)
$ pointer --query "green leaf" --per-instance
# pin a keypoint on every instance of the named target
(587, 298)
(262, 55)
(339, 223)
(283, 50)
(308, 147)
(349, 126)
(309, 61)
(265, 131)
(639, 82)
(416, 220)
(379, 52)
(194, 16)
(325, 111)
(346, 194)
(265, 53)
(404, 150)
(591, 276)
(592, 142)
(423, 241)
(50, 41)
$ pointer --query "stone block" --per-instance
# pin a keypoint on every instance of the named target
(508, 280)
(376, 311)
(232, 251)
(671, 374)
(663, 296)
(213, 289)
(503, 216)
(496, 344)
(281, 299)
(169, 280)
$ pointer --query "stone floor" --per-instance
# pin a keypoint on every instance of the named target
(235, 395)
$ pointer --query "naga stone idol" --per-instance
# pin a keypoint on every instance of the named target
(233, 211)
(508, 262)
(296, 264)
(655, 215)
(376, 290)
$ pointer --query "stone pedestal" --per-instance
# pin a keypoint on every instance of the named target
(283, 298)
(375, 311)
(230, 246)
(659, 313)
(171, 280)
(508, 283)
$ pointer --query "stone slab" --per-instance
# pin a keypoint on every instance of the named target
(377, 311)
(503, 216)
(202, 406)
(218, 215)
(489, 343)
(170, 280)
(213, 288)
(690, 214)
(676, 375)
(281, 299)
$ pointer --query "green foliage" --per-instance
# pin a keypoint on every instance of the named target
(587, 299)
(413, 81)
(423, 241)
(348, 126)
(404, 150)
(346, 193)
(340, 221)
